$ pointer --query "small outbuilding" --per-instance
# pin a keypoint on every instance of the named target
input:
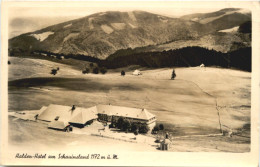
(137, 72)
(202, 65)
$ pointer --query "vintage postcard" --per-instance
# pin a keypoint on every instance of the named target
(130, 83)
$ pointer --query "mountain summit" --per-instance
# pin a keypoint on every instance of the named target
(102, 34)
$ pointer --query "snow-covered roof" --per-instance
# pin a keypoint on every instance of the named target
(85, 116)
(58, 124)
(124, 112)
(66, 114)
(82, 115)
(136, 72)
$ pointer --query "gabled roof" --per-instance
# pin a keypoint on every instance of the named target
(146, 114)
(85, 115)
(52, 111)
(82, 115)
(42, 109)
(66, 114)
(125, 112)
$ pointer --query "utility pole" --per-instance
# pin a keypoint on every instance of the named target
(220, 125)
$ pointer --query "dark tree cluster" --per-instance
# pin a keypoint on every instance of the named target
(184, 57)
(128, 126)
(85, 71)
(103, 70)
(157, 128)
(95, 69)
(245, 27)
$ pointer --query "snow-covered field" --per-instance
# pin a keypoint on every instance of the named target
(118, 26)
(234, 29)
(107, 29)
(187, 106)
(41, 37)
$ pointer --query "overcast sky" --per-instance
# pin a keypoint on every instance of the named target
(27, 19)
